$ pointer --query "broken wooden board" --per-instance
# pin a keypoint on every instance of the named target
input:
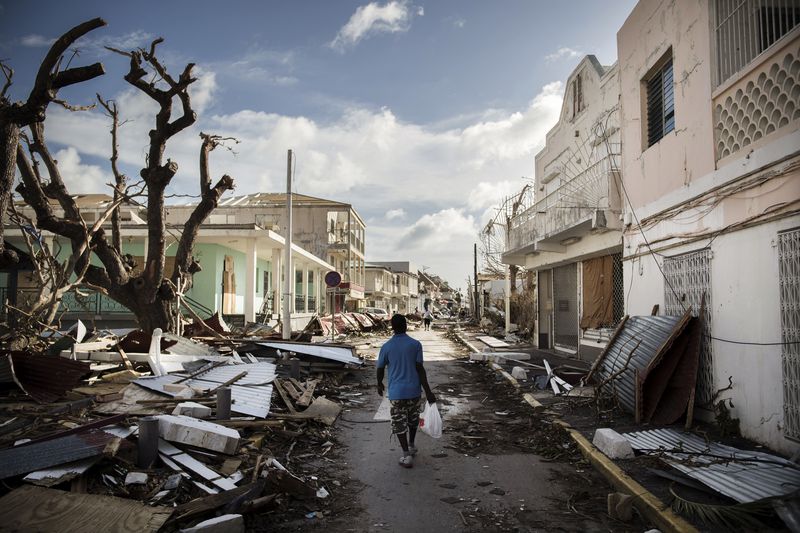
(129, 404)
(31, 508)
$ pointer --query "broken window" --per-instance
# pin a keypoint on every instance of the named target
(660, 101)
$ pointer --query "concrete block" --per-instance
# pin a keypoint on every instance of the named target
(193, 409)
(519, 373)
(200, 433)
(227, 523)
(477, 356)
(611, 443)
(136, 478)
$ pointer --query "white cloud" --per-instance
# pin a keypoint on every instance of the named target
(393, 214)
(80, 178)
(458, 22)
(563, 53)
(35, 40)
(202, 91)
(373, 18)
(443, 180)
(265, 66)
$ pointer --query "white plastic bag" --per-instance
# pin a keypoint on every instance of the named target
(430, 421)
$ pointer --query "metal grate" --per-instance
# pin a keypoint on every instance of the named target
(745, 28)
(789, 275)
(688, 276)
(565, 294)
(619, 289)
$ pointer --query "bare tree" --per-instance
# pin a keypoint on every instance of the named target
(150, 293)
(16, 115)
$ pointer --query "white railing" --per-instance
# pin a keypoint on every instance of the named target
(573, 202)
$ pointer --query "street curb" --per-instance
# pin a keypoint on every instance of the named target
(652, 507)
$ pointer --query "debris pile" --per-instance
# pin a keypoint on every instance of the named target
(169, 432)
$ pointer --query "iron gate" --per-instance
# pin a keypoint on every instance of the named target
(688, 277)
(565, 306)
(789, 269)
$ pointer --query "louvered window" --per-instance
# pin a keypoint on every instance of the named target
(660, 103)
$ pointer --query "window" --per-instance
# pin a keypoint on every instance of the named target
(660, 103)
(744, 29)
(577, 96)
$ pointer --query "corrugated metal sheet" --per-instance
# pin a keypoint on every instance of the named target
(745, 476)
(45, 378)
(649, 333)
(251, 395)
(342, 354)
(24, 459)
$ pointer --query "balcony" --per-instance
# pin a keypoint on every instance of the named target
(586, 203)
(760, 103)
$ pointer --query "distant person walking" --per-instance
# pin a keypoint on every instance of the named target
(403, 356)
(427, 318)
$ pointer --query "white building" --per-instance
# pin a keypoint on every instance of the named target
(568, 232)
(710, 108)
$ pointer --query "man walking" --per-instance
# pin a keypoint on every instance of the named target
(403, 356)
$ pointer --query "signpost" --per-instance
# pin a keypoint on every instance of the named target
(332, 280)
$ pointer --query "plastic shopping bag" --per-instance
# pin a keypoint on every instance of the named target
(430, 421)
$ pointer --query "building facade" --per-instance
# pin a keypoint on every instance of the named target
(406, 297)
(330, 230)
(710, 107)
(242, 270)
(567, 229)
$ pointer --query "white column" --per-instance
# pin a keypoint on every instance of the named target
(277, 286)
(250, 281)
(305, 288)
(508, 299)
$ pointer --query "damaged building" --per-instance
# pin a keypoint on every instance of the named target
(672, 178)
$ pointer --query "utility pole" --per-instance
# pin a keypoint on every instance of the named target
(286, 328)
(475, 280)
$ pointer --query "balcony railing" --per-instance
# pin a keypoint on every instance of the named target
(573, 202)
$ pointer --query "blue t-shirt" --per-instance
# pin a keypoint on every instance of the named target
(401, 354)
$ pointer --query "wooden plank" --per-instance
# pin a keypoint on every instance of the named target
(31, 508)
(308, 396)
(284, 396)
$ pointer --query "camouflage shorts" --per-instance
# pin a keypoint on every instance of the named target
(405, 414)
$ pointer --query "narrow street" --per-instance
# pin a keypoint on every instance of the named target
(478, 476)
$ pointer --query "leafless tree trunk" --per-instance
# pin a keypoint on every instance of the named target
(16, 115)
(150, 294)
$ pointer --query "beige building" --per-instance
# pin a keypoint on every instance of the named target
(567, 229)
(392, 285)
(710, 107)
(332, 231)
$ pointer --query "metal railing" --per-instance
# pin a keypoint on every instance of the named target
(743, 29)
(92, 303)
(573, 202)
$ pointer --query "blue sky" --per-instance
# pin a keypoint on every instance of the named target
(420, 114)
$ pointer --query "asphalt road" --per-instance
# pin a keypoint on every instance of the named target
(448, 490)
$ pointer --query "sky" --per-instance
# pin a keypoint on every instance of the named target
(421, 115)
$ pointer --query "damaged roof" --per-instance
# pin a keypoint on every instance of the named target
(745, 476)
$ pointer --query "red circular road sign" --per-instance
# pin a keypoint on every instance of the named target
(333, 279)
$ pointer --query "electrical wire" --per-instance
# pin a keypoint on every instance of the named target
(641, 231)
(749, 343)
